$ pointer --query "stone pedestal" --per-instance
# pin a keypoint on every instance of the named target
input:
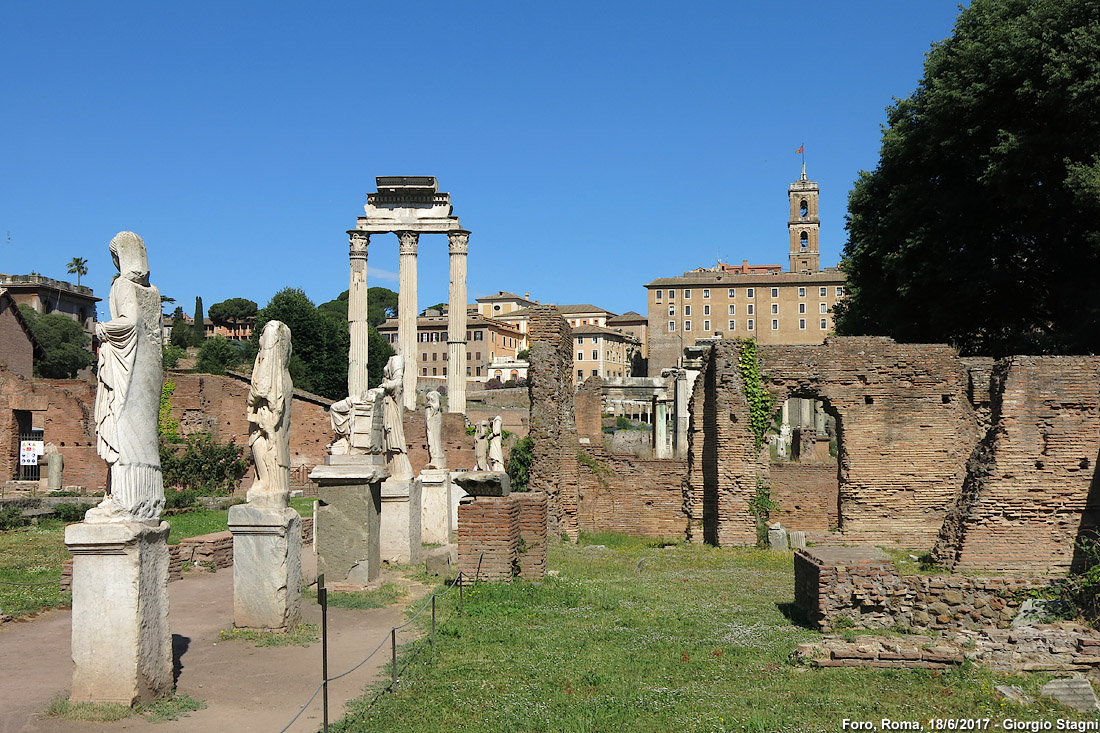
(346, 530)
(121, 643)
(267, 567)
(401, 529)
(457, 493)
(435, 500)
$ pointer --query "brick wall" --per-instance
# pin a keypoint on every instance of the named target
(862, 586)
(805, 495)
(621, 493)
(488, 537)
(588, 410)
(532, 534)
(553, 428)
(16, 351)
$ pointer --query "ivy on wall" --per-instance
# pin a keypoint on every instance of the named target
(761, 403)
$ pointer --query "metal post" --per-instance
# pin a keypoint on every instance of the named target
(433, 622)
(393, 653)
(461, 598)
(322, 598)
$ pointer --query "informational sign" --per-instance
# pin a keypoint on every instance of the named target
(29, 450)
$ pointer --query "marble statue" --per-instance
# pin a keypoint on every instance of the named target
(433, 420)
(481, 446)
(496, 451)
(268, 411)
(393, 431)
(55, 465)
(127, 402)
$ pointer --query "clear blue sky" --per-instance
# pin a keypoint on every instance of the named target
(589, 146)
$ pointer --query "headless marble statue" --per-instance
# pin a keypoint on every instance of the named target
(433, 420)
(268, 410)
(496, 450)
(393, 431)
(481, 446)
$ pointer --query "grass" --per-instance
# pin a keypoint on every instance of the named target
(162, 710)
(384, 595)
(694, 639)
(301, 635)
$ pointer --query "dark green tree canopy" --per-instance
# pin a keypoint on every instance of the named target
(981, 224)
(63, 340)
(232, 311)
(198, 328)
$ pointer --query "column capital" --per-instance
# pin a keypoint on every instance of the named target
(459, 241)
(408, 242)
(359, 242)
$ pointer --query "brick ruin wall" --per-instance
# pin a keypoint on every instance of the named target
(805, 495)
(17, 353)
(994, 463)
(858, 587)
(622, 493)
(588, 411)
(553, 428)
(501, 537)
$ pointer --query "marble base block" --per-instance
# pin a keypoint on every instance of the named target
(121, 643)
(401, 530)
(435, 516)
(346, 529)
(267, 567)
(457, 494)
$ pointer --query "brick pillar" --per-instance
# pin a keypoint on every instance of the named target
(532, 532)
(488, 535)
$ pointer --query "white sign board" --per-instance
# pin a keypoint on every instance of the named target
(28, 452)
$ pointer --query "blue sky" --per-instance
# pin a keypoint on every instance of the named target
(589, 147)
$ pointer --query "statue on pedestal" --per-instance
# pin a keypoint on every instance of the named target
(127, 402)
(268, 410)
(496, 451)
(433, 420)
(393, 431)
(481, 446)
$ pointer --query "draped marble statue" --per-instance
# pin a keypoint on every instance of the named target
(393, 431)
(127, 401)
(481, 446)
(268, 411)
(433, 421)
(496, 450)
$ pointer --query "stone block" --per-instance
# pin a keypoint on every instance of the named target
(121, 642)
(435, 501)
(347, 522)
(777, 537)
(1073, 693)
(400, 521)
(267, 567)
(442, 561)
(485, 483)
(798, 540)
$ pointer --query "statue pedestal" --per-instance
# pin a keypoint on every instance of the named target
(121, 643)
(346, 527)
(457, 493)
(435, 517)
(267, 567)
(401, 521)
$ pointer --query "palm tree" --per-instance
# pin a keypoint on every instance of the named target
(78, 266)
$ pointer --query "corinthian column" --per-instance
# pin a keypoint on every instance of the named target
(456, 323)
(357, 315)
(406, 313)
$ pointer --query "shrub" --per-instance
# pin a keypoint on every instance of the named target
(519, 463)
(11, 517)
(71, 512)
(206, 465)
(622, 423)
(180, 499)
(171, 355)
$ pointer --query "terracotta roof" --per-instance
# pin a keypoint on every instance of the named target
(504, 295)
(565, 310)
(588, 330)
(729, 279)
(629, 317)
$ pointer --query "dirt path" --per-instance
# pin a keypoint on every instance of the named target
(245, 688)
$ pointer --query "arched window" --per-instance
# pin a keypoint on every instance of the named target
(803, 208)
(804, 241)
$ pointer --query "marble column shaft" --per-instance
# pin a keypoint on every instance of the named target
(357, 315)
(407, 312)
(456, 322)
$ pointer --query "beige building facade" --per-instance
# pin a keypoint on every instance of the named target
(486, 340)
(602, 352)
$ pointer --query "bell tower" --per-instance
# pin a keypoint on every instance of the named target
(804, 225)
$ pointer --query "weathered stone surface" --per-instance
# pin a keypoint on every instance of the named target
(435, 504)
(1013, 694)
(347, 523)
(442, 561)
(121, 642)
(400, 527)
(267, 567)
(1073, 693)
(484, 483)
(777, 537)
(798, 540)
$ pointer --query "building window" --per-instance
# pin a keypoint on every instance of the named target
(706, 293)
(801, 324)
(580, 339)
(821, 292)
(751, 308)
(687, 294)
(687, 310)
(824, 324)
(750, 292)
(733, 310)
(659, 292)
(671, 294)
(468, 374)
(433, 371)
(424, 356)
(435, 357)
(580, 375)
(687, 325)
(775, 309)
(478, 355)
(595, 354)
(580, 356)
(425, 371)
(750, 325)
(733, 292)
(444, 371)
(479, 335)
(706, 326)
(671, 310)
(478, 370)
(804, 241)
(595, 372)
(706, 310)
(802, 292)
(839, 290)
(801, 307)
(733, 325)
(803, 209)
(775, 324)
(775, 292)
(824, 307)
(671, 326)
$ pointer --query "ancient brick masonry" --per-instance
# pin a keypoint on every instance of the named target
(622, 493)
(863, 587)
(805, 495)
(553, 468)
(490, 530)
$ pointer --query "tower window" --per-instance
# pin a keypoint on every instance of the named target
(804, 241)
(803, 209)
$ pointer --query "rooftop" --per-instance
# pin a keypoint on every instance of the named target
(34, 280)
(710, 277)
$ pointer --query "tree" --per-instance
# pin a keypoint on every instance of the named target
(216, 355)
(438, 307)
(378, 348)
(78, 266)
(63, 340)
(381, 304)
(233, 311)
(319, 362)
(198, 328)
(981, 224)
(181, 334)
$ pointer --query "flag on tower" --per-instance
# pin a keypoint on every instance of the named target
(801, 149)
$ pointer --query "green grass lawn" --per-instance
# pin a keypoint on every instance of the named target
(36, 554)
(692, 639)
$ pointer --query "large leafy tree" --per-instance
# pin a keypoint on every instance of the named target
(378, 348)
(981, 224)
(63, 340)
(319, 362)
(233, 311)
